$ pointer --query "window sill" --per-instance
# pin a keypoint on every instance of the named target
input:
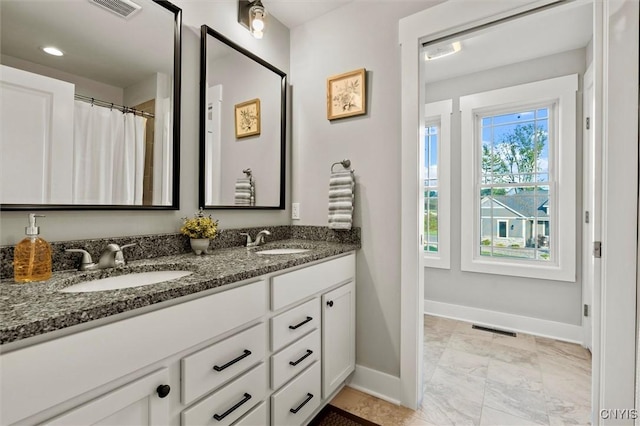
(551, 271)
(431, 261)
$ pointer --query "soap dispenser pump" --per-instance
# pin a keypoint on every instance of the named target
(32, 255)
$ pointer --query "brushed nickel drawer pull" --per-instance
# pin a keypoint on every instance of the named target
(245, 354)
(293, 327)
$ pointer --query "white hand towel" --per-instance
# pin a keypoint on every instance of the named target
(341, 198)
(244, 192)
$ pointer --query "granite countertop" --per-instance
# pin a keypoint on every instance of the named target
(34, 309)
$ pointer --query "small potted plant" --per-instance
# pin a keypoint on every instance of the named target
(201, 229)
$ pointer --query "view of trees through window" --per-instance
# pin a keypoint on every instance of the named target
(515, 197)
(431, 189)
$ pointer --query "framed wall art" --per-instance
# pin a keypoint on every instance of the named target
(247, 117)
(346, 94)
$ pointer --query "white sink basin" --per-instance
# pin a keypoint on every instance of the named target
(137, 279)
(282, 251)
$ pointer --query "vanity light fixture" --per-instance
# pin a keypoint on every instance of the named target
(442, 51)
(251, 14)
(54, 51)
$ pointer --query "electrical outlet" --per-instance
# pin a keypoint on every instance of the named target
(295, 210)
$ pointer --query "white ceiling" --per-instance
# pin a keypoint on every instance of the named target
(555, 30)
(293, 13)
(97, 43)
(25, 23)
(104, 47)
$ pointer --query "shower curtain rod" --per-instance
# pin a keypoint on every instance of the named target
(111, 105)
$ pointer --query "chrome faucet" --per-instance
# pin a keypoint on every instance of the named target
(111, 257)
(259, 238)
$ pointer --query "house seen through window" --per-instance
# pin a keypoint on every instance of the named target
(515, 185)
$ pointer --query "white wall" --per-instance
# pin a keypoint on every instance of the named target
(345, 39)
(142, 91)
(544, 299)
(84, 86)
(222, 16)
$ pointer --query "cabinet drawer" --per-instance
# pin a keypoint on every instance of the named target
(213, 366)
(295, 358)
(259, 416)
(295, 323)
(297, 400)
(228, 404)
(291, 287)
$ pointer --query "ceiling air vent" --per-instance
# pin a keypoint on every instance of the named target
(122, 8)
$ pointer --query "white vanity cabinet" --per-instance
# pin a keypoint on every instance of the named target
(268, 352)
(46, 380)
(314, 310)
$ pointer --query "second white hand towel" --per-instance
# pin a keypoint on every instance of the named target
(341, 198)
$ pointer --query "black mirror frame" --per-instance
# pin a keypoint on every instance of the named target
(177, 79)
(204, 31)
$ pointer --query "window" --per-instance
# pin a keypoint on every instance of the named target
(518, 180)
(436, 184)
(431, 187)
(514, 183)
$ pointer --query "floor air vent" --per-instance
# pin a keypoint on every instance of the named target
(122, 8)
(494, 330)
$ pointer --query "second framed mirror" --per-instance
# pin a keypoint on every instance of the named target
(242, 127)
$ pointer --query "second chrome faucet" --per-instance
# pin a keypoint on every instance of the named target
(259, 238)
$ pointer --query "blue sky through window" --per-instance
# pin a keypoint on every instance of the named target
(498, 129)
(431, 156)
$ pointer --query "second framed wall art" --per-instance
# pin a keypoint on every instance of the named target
(247, 117)
(346, 94)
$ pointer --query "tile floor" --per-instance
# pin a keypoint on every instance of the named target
(475, 377)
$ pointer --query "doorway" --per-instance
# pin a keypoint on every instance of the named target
(515, 168)
(452, 19)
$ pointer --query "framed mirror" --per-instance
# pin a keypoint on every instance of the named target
(95, 124)
(242, 127)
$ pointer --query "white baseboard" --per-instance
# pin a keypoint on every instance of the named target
(376, 383)
(539, 327)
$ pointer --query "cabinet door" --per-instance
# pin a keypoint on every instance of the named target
(137, 403)
(338, 336)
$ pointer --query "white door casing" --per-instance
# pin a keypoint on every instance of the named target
(213, 149)
(591, 215)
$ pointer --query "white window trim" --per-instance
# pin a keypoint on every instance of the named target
(561, 90)
(440, 111)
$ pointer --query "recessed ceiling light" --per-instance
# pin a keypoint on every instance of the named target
(53, 51)
(442, 51)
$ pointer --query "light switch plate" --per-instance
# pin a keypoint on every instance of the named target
(295, 210)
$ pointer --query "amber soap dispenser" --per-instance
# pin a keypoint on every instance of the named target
(32, 255)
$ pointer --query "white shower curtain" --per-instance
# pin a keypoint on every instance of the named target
(108, 163)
